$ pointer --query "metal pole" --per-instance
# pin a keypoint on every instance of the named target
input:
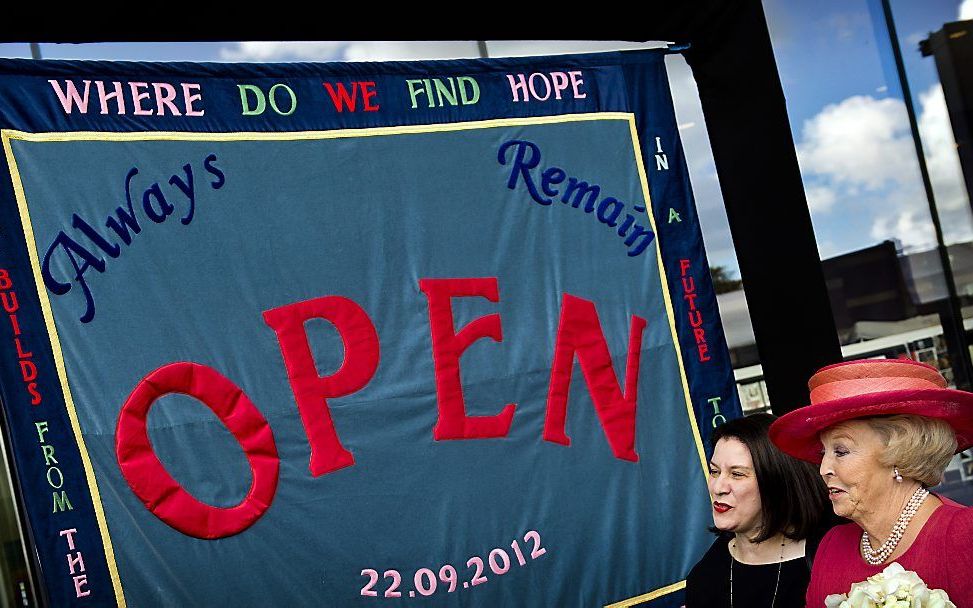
(481, 46)
(953, 327)
(35, 50)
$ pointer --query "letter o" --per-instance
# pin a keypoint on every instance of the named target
(60, 476)
(272, 98)
(716, 423)
(547, 86)
(157, 489)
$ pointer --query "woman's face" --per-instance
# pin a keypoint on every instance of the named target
(858, 484)
(733, 488)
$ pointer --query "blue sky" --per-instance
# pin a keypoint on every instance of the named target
(845, 105)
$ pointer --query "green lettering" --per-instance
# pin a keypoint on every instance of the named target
(245, 100)
(474, 88)
(61, 502)
(41, 429)
(413, 91)
(674, 216)
(48, 454)
(442, 92)
(273, 99)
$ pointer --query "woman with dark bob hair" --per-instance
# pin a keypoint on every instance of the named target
(881, 433)
(769, 510)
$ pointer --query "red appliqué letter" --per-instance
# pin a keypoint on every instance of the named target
(157, 489)
(311, 390)
(448, 346)
(579, 333)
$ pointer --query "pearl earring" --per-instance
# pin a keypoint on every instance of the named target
(895, 473)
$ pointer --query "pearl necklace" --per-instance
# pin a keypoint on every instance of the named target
(780, 564)
(878, 556)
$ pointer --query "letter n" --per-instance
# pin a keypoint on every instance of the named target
(312, 391)
(448, 345)
(579, 334)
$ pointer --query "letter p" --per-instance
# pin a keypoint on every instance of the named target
(312, 391)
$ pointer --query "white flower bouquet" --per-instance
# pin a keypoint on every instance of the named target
(894, 587)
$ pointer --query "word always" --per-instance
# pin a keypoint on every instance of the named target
(125, 224)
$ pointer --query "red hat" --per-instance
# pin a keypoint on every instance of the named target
(872, 387)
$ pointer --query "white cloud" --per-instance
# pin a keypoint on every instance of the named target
(966, 10)
(820, 199)
(910, 226)
(277, 51)
(859, 142)
(943, 163)
(858, 156)
(349, 51)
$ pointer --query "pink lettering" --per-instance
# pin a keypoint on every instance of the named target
(70, 532)
(164, 94)
(533, 90)
(104, 97)
(518, 86)
(138, 96)
(576, 84)
(80, 581)
(190, 98)
(560, 80)
(75, 560)
(71, 98)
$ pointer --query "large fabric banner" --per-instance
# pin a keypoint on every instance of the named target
(434, 334)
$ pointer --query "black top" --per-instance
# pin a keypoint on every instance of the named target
(708, 583)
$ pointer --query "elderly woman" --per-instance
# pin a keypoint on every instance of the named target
(883, 431)
(769, 510)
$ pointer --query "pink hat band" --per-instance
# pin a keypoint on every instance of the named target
(839, 389)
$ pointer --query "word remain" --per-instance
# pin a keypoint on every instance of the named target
(75, 564)
(163, 97)
(539, 86)
(125, 223)
(526, 156)
(28, 369)
(61, 502)
(695, 315)
(579, 338)
(424, 579)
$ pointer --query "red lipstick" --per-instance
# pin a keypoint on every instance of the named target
(720, 507)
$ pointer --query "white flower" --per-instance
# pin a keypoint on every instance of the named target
(836, 600)
(894, 587)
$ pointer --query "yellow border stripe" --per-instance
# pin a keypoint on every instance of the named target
(310, 135)
(668, 300)
(7, 135)
(651, 595)
(61, 370)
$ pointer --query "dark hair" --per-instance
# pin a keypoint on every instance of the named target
(793, 496)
